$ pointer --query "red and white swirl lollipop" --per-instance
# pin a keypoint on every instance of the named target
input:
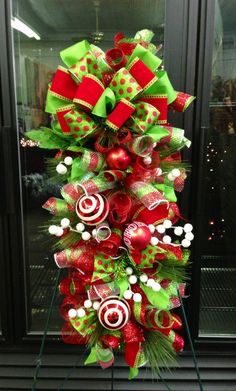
(113, 313)
(92, 209)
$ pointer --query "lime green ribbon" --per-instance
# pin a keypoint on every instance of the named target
(89, 161)
(85, 325)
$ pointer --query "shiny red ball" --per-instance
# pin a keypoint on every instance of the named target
(137, 236)
(118, 158)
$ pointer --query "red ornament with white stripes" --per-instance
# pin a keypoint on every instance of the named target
(92, 209)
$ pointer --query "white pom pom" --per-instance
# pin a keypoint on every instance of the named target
(129, 270)
(72, 313)
(147, 160)
(65, 222)
(68, 160)
(188, 227)
(185, 243)
(189, 236)
(178, 231)
(81, 313)
(166, 239)
(128, 294)
(154, 241)
(137, 297)
(88, 303)
(61, 169)
(133, 279)
(170, 177)
(94, 232)
(152, 228)
(86, 235)
(156, 287)
(59, 232)
(160, 228)
(96, 305)
(53, 229)
(167, 223)
(80, 227)
(150, 282)
(143, 278)
(176, 172)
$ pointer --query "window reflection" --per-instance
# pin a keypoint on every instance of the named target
(218, 281)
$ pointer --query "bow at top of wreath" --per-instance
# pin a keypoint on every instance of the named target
(110, 90)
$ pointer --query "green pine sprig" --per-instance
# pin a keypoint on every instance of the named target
(96, 335)
(54, 177)
(159, 351)
(171, 165)
(174, 270)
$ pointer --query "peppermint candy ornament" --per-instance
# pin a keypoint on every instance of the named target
(113, 313)
(92, 209)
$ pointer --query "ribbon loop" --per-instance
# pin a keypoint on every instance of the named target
(88, 92)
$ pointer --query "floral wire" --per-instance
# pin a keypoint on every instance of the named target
(41, 350)
(190, 341)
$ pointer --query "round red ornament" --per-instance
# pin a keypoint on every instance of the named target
(92, 209)
(113, 313)
(137, 235)
(118, 158)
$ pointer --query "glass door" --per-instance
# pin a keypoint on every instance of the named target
(41, 29)
(217, 224)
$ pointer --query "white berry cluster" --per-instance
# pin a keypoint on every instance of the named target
(150, 282)
(65, 223)
(61, 168)
(80, 312)
(161, 228)
(173, 174)
(85, 235)
(178, 231)
(59, 230)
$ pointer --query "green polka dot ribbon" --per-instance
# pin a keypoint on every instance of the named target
(147, 256)
(104, 267)
(85, 325)
(124, 85)
(80, 123)
(145, 117)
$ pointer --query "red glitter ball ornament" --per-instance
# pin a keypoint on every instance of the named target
(113, 313)
(118, 158)
(137, 236)
(92, 209)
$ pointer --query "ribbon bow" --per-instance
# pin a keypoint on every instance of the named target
(137, 94)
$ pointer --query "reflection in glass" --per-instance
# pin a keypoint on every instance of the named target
(57, 25)
(218, 282)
